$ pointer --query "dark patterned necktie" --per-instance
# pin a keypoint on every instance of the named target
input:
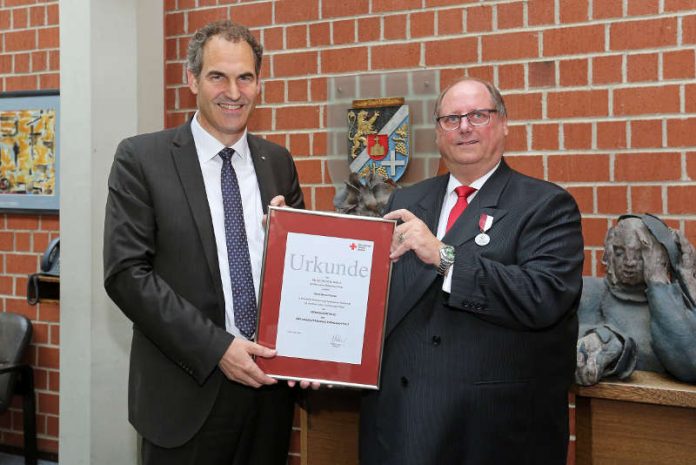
(243, 292)
(462, 193)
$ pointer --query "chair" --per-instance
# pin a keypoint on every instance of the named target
(17, 377)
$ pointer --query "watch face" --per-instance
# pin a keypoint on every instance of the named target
(447, 253)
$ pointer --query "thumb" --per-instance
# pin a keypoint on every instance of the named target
(261, 351)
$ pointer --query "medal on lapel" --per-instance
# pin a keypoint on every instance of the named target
(485, 223)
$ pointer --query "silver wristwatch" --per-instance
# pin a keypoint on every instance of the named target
(446, 259)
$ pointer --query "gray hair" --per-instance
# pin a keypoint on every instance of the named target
(229, 31)
(496, 96)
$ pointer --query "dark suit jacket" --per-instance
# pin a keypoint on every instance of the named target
(480, 376)
(161, 269)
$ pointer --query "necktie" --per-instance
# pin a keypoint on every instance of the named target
(462, 193)
(243, 292)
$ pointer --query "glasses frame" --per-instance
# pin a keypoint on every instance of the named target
(487, 111)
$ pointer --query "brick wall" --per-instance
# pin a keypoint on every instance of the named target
(601, 93)
(29, 57)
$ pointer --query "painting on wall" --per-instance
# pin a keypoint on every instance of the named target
(29, 163)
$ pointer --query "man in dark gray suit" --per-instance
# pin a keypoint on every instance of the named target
(183, 247)
(481, 330)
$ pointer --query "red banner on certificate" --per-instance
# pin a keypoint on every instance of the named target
(324, 295)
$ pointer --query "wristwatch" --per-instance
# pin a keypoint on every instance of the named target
(446, 259)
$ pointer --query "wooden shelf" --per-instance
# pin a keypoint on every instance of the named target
(48, 288)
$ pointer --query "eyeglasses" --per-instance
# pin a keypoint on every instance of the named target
(474, 118)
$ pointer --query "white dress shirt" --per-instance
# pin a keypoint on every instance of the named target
(448, 204)
(208, 148)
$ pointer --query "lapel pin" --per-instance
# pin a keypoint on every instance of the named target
(485, 223)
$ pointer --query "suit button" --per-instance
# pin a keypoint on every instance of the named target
(404, 381)
(436, 340)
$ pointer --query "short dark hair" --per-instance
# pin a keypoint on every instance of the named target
(496, 96)
(229, 31)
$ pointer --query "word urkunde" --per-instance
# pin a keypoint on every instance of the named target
(315, 265)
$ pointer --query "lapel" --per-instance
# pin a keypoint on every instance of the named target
(415, 277)
(187, 166)
(264, 171)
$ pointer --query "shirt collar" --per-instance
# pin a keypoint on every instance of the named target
(477, 184)
(207, 146)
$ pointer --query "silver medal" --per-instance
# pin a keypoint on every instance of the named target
(482, 239)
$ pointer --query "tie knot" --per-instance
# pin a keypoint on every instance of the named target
(226, 154)
(464, 191)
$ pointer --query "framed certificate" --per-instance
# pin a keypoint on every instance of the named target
(325, 285)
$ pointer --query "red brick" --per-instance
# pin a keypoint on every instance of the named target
(48, 445)
(541, 12)
(516, 140)
(678, 64)
(594, 230)
(174, 24)
(341, 60)
(642, 67)
(54, 60)
(50, 223)
(294, 64)
(55, 334)
(261, 120)
(542, 74)
(272, 39)
(21, 264)
(323, 198)
(37, 16)
(7, 285)
(5, 20)
(646, 199)
(39, 61)
(453, 51)
(611, 134)
(255, 15)
(309, 171)
(573, 72)
(273, 91)
(9, 3)
(318, 89)
(647, 167)
(643, 7)
(429, 3)
(49, 81)
(545, 136)
(393, 5)
(612, 200)
(689, 29)
(395, 56)
(450, 22)
(199, 18)
(510, 46)
(297, 117)
(22, 222)
(299, 145)
(352, 8)
(343, 31)
(174, 73)
(6, 241)
(577, 103)
(646, 133)
(52, 14)
(511, 77)
(20, 18)
(52, 426)
(478, 18)
(577, 135)
(394, 27)
(649, 33)
(578, 168)
(21, 63)
(646, 100)
(602, 9)
(530, 165)
(573, 11)
(20, 40)
(39, 333)
(679, 5)
(48, 403)
(510, 15)
(49, 311)
(49, 357)
(584, 197)
(523, 106)
(294, 11)
(423, 24)
(606, 69)
(296, 36)
(681, 132)
(22, 241)
(297, 90)
(369, 29)
(574, 40)
(319, 34)
(680, 199)
(21, 307)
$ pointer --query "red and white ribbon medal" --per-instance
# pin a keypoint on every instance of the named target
(485, 223)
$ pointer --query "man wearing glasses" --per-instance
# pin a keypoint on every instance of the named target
(481, 329)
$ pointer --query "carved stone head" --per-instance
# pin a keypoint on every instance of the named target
(622, 253)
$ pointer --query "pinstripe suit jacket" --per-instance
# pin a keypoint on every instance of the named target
(480, 376)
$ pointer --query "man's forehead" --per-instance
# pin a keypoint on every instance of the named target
(467, 93)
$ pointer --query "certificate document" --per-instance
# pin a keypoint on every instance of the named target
(323, 302)
(324, 292)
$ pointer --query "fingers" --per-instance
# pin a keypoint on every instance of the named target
(402, 214)
(304, 384)
(278, 201)
(261, 351)
(238, 365)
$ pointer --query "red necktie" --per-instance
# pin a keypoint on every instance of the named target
(462, 193)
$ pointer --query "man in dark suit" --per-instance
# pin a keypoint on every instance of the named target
(183, 247)
(481, 329)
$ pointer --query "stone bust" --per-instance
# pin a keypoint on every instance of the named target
(642, 314)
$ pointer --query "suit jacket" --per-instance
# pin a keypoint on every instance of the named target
(161, 269)
(480, 376)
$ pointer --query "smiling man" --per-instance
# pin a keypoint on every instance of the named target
(480, 336)
(183, 247)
